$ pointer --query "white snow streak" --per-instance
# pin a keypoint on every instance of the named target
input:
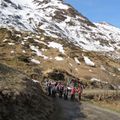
(76, 60)
(88, 61)
(59, 58)
(57, 46)
(35, 61)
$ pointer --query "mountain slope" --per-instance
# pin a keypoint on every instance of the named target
(60, 20)
(54, 35)
(49, 39)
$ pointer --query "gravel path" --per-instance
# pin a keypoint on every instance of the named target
(68, 110)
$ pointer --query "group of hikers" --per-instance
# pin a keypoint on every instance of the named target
(65, 90)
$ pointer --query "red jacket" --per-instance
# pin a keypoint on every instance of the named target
(73, 91)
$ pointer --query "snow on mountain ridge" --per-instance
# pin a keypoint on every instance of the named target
(59, 20)
(110, 31)
(22, 2)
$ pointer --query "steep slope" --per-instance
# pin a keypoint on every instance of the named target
(58, 20)
(21, 97)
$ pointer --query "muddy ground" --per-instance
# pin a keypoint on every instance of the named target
(68, 110)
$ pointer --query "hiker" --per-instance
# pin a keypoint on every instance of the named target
(65, 92)
(61, 88)
(49, 87)
(53, 90)
(73, 93)
(58, 87)
(80, 90)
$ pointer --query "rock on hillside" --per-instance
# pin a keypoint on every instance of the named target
(21, 98)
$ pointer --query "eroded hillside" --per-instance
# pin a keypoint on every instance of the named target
(21, 97)
(37, 55)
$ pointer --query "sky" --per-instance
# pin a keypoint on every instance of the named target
(99, 10)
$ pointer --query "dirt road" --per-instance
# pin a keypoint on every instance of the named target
(68, 110)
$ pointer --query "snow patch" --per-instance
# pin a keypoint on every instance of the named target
(11, 44)
(38, 37)
(57, 46)
(102, 67)
(5, 40)
(38, 52)
(88, 61)
(45, 57)
(98, 80)
(35, 61)
(12, 51)
(27, 37)
(41, 42)
(44, 50)
(95, 79)
(70, 64)
(118, 69)
(22, 43)
(42, 38)
(18, 35)
(35, 81)
(76, 60)
(59, 58)
(24, 51)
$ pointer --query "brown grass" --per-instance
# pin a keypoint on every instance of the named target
(104, 98)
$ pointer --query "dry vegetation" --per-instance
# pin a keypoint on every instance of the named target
(105, 98)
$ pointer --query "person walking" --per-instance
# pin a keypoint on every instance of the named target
(65, 92)
(53, 90)
(49, 87)
(73, 93)
(61, 88)
(80, 90)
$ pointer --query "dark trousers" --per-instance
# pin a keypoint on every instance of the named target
(60, 94)
(72, 96)
(79, 96)
(49, 91)
(65, 96)
(53, 93)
